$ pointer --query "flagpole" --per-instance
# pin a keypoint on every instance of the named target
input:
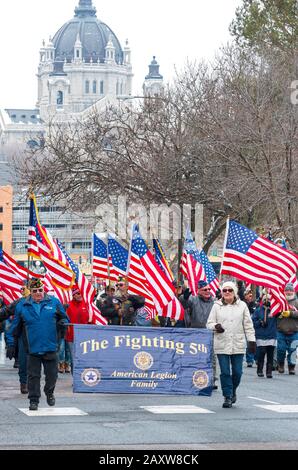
(108, 262)
(224, 248)
(29, 257)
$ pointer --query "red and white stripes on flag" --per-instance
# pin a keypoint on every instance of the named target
(193, 271)
(278, 301)
(65, 296)
(88, 293)
(137, 284)
(255, 259)
(42, 245)
(159, 286)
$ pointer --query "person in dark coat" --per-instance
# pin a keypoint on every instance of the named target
(252, 305)
(266, 334)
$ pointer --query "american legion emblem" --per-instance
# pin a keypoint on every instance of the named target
(200, 379)
(143, 360)
(91, 377)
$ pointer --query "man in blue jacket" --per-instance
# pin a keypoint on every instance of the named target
(40, 318)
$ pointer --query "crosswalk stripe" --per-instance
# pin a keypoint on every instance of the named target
(175, 409)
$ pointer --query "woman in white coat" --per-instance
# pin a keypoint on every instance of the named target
(231, 321)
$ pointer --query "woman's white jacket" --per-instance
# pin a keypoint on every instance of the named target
(238, 326)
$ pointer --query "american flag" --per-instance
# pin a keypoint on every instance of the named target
(65, 296)
(195, 266)
(87, 290)
(278, 301)
(10, 283)
(119, 258)
(161, 289)
(161, 259)
(255, 259)
(42, 245)
(101, 269)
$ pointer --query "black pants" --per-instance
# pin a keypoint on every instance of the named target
(262, 351)
(50, 365)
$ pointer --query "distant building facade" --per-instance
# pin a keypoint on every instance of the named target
(82, 67)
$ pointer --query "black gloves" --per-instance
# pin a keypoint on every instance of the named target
(219, 328)
(252, 347)
(187, 294)
(10, 352)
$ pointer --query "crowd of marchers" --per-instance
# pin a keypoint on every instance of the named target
(37, 334)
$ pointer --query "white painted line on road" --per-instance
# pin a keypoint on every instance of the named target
(266, 401)
(2, 349)
(54, 412)
(280, 408)
(175, 409)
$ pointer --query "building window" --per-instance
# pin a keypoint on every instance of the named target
(59, 98)
(1, 226)
(87, 86)
(78, 53)
(94, 87)
(1, 246)
(117, 89)
(1, 209)
(101, 87)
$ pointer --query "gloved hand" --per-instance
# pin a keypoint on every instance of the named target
(286, 314)
(10, 352)
(252, 347)
(187, 294)
(219, 328)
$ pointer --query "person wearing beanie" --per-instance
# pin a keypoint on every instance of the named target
(231, 322)
(287, 333)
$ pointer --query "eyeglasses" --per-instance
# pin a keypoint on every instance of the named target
(121, 284)
(207, 289)
(34, 291)
(227, 290)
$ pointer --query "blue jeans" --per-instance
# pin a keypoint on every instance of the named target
(229, 382)
(22, 358)
(287, 345)
(64, 352)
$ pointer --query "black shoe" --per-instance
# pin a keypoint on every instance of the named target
(214, 387)
(24, 389)
(227, 403)
(249, 364)
(291, 369)
(33, 406)
(51, 400)
(234, 398)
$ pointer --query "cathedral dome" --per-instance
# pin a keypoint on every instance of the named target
(93, 34)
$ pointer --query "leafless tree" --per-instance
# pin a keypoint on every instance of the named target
(224, 136)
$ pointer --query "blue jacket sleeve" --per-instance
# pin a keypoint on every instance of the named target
(256, 318)
(14, 326)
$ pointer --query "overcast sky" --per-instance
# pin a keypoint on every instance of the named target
(171, 30)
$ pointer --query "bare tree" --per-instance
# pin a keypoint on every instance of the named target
(224, 136)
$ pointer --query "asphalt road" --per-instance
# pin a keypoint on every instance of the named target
(122, 422)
